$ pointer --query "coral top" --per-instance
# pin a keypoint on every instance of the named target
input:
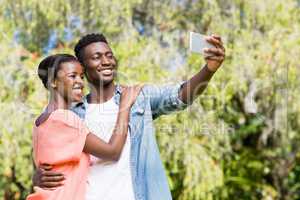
(59, 141)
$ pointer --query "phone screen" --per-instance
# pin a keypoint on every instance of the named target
(198, 43)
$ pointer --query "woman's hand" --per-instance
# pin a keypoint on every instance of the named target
(129, 95)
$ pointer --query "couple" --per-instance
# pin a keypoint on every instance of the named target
(119, 167)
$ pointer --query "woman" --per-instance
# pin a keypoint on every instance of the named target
(60, 137)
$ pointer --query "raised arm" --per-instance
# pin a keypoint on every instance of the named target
(170, 98)
(196, 85)
(112, 150)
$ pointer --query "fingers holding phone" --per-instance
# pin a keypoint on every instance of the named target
(211, 47)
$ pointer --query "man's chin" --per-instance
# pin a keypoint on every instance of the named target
(107, 82)
(107, 79)
(103, 82)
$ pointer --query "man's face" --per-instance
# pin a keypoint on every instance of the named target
(100, 63)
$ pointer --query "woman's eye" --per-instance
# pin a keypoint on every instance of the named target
(72, 76)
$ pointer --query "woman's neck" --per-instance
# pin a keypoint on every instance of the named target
(57, 102)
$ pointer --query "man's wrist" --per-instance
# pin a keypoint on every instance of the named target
(209, 70)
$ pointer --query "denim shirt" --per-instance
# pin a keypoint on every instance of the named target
(148, 175)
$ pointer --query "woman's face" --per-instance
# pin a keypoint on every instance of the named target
(69, 81)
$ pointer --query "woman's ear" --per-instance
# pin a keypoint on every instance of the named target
(53, 84)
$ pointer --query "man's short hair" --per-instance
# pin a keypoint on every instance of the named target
(85, 41)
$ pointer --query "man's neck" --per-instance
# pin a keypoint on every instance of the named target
(101, 94)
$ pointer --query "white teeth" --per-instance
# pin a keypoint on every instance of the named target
(107, 71)
(77, 87)
(77, 90)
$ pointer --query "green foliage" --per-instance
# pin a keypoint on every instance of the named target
(239, 140)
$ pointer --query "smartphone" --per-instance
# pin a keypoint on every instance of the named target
(198, 43)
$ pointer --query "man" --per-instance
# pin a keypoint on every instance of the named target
(139, 174)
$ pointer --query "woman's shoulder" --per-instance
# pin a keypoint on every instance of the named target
(66, 116)
(63, 116)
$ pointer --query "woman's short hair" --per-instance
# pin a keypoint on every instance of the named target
(49, 66)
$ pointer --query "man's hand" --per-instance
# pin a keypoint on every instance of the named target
(215, 55)
(197, 84)
(47, 179)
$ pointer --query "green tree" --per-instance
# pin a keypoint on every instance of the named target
(239, 140)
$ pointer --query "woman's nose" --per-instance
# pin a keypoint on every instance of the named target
(79, 79)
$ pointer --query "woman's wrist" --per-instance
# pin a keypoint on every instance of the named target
(124, 107)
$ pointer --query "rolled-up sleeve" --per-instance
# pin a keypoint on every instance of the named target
(164, 99)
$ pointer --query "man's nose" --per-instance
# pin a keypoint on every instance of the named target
(105, 61)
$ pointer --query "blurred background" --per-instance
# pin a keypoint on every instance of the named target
(238, 141)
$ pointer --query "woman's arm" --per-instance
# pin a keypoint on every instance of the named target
(112, 150)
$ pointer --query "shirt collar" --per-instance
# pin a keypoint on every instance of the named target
(118, 89)
(84, 102)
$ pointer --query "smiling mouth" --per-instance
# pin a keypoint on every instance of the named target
(78, 87)
(106, 71)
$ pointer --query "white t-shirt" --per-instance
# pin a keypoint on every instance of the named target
(108, 180)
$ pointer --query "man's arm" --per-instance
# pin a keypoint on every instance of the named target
(169, 98)
(197, 84)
